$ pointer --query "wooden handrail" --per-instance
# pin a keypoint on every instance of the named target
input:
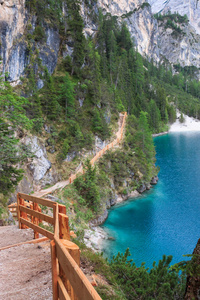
(81, 285)
(68, 281)
(41, 201)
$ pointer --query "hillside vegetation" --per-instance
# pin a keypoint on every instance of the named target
(82, 99)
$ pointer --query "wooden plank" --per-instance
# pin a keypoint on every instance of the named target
(54, 270)
(74, 251)
(37, 214)
(36, 228)
(82, 287)
(35, 241)
(42, 201)
(12, 206)
(62, 293)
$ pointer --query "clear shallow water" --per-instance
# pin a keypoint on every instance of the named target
(165, 220)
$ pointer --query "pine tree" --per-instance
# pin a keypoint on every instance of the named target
(66, 96)
(75, 23)
(154, 116)
(12, 117)
(87, 187)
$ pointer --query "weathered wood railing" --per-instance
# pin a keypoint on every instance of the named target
(68, 281)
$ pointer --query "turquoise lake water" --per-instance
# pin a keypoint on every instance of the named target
(166, 219)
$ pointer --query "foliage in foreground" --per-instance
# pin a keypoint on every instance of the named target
(128, 282)
(12, 117)
(142, 283)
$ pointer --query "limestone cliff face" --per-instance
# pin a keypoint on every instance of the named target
(184, 48)
(140, 21)
(14, 50)
(118, 8)
(191, 8)
(144, 30)
(151, 37)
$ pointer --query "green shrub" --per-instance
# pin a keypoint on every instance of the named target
(39, 33)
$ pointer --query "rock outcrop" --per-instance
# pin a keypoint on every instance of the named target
(183, 7)
(151, 37)
(14, 46)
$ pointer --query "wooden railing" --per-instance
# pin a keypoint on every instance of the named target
(68, 281)
(13, 209)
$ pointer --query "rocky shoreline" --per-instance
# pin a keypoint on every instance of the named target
(94, 237)
(160, 133)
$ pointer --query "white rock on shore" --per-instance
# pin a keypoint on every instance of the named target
(93, 238)
(189, 124)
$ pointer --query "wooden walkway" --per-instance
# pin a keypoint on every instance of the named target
(62, 184)
(25, 270)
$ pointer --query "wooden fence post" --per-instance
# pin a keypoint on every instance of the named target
(64, 232)
(74, 251)
(35, 220)
(18, 211)
(31, 207)
(54, 270)
(22, 214)
(62, 209)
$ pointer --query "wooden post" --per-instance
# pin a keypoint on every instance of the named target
(74, 251)
(35, 220)
(39, 210)
(54, 270)
(22, 214)
(31, 207)
(64, 227)
(18, 211)
(70, 180)
(62, 209)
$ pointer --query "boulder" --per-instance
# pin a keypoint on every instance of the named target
(142, 188)
(148, 186)
(154, 180)
(40, 164)
(100, 219)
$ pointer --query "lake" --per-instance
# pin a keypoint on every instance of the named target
(166, 219)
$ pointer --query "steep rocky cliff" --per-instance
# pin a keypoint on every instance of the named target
(152, 38)
(183, 48)
(15, 51)
(183, 7)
